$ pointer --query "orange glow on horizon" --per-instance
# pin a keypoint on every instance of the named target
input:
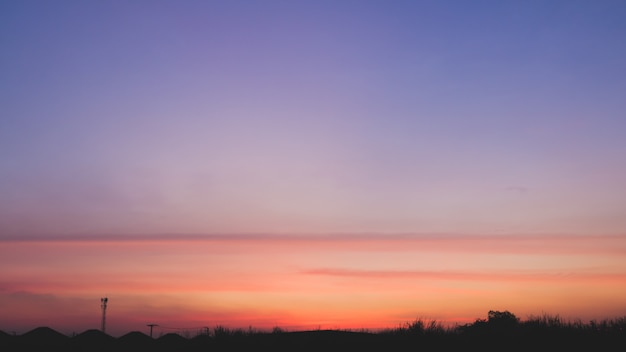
(361, 282)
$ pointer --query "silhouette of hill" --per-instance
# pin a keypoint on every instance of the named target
(92, 340)
(45, 334)
(93, 336)
(5, 336)
(172, 342)
(44, 338)
(6, 341)
(135, 341)
(171, 338)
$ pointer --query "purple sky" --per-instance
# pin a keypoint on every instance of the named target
(310, 164)
(143, 117)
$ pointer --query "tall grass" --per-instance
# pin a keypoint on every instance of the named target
(418, 327)
(496, 323)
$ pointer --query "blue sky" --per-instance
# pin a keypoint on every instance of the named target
(306, 117)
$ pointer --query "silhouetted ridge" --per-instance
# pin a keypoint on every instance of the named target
(171, 338)
(5, 336)
(94, 336)
(45, 333)
(172, 342)
(135, 341)
(135, 336)
(44, 338)
(92, 340)
(6, 340)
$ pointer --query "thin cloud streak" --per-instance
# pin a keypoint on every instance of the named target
(507, 244)
(137, 286)
(512, 276)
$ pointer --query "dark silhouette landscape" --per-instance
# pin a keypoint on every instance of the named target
(501, 331)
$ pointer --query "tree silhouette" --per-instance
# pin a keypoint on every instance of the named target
(504, 319)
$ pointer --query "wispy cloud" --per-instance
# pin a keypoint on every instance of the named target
(474, 243)
(136, 283)
(469, 275)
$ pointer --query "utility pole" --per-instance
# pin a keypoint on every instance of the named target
(151, 326)
(103, 305)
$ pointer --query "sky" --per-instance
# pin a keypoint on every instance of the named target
(304, 164)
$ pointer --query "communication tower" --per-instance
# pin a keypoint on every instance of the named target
(103, 305)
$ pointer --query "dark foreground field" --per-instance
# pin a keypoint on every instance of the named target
(502, 331)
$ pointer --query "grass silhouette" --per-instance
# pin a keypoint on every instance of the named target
(500, 331)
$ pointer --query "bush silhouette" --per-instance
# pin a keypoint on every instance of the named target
(502, 320)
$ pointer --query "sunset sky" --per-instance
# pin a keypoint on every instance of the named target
(305, 164)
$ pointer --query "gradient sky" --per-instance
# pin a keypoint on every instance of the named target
(310, 163)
